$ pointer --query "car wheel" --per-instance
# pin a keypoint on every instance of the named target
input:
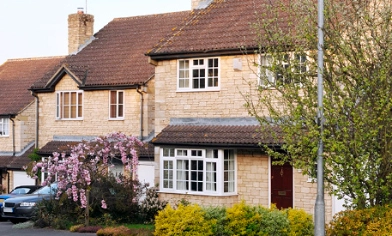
(15, 221)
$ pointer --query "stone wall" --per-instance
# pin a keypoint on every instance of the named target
(80, 29)
(95, 114)
(24, 131)
(226, 102)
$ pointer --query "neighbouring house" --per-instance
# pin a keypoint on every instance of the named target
(206, 146)
(106, 85)
(18, 117)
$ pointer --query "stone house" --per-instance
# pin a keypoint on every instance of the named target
(206, 145)
(17, 117)
(105, 85)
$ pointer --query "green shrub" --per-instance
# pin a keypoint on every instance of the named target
(372, 221)
(150, 206)
(273, 222)
(185, 220)
(114, 231)
(301, 223)
(242, 220)
(217, 215)
(58, 214)
(89, 229)
(75, 228)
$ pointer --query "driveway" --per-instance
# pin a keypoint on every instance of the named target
(7, 230)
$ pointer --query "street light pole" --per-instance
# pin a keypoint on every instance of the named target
(319, 210)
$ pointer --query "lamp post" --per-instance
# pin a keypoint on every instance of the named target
(319, 210)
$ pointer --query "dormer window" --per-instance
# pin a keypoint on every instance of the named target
(198, 74)
(4, 127)
(69, 105)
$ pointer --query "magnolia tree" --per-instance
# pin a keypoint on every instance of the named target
(87, 161)
(357, 91)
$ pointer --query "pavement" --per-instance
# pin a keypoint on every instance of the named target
(9, 229)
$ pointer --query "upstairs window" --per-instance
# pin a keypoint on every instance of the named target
(69, 105)
(4, 127)
(277, 72)
(116, 106)
(198, 74)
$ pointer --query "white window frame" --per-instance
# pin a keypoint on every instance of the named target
(187, 67)
(4, 127)
(198, 171)
(118, 106)
(272, 78)
(60, 105)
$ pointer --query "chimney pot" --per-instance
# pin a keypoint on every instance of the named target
(80, 10)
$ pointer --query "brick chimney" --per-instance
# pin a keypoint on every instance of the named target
(80, 29)
(200, 4)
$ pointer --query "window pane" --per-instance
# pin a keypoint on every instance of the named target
(58, 105)
(73, 111)
(113, 97)
(4, 127)
(229, 171)
(73, 99)
(112, 111)
(120, 110)
(80, 105)
(120, 97)
(197, 175)
(66, 111)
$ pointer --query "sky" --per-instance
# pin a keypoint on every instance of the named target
(39, 28)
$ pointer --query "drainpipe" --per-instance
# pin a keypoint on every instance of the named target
(140, 91)
(13, 136)
(36, 118)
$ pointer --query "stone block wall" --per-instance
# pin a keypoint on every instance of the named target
(80, 29)
(24, 131)
(95, 114)
(228, 101)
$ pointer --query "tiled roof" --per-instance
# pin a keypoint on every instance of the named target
(65, 146)
(16, 77)
(219, 135)
(117, 55)
(16, 162)
(223, 25)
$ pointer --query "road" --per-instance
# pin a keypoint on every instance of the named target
(7, 230)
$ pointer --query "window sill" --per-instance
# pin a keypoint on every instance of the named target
(198, 194)
(197, 90)
(69, 119)
(114, 119)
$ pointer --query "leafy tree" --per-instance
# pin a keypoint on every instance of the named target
(88, 162)
(357, 92)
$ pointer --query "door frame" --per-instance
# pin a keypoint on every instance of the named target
(269, 183)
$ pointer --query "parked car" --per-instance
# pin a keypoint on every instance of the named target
(23, 189)
(20, 208)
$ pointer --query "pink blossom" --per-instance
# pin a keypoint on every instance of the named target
(104, 206)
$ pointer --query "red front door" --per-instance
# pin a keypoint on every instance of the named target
(282, 185)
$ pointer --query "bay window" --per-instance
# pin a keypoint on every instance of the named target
(200, 171)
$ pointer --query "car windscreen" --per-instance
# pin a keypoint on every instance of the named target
(20, 191)
(48, 189)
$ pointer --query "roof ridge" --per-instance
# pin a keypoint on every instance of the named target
(34, 58)
(148, 15)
